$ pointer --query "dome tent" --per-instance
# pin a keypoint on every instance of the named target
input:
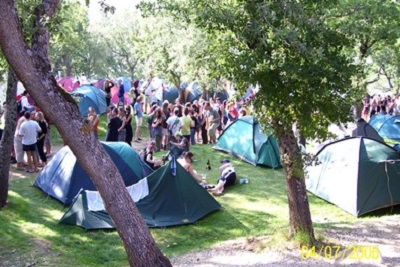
(89, 96)
(167, 197)
(387, 126)
(364, 129)
(63, 177)
(356, 174)
(246, 140)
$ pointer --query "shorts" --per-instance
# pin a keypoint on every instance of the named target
(139, 121)
(148, 99)
(29, 147)
(165, 131)
(212, 129)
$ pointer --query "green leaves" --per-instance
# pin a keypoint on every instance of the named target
(287, 48)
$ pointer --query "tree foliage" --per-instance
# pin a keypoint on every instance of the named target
(285, 47)
(299, 63)
(375, 28)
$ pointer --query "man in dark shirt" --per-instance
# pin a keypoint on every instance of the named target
(113, 125)
(121, 92)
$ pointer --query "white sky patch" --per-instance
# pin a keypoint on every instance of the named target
(95, 12)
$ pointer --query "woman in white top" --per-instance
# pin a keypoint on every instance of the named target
(29, 130)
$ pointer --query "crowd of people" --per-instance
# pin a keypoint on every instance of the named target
(31, 137)
(172, 127)
(380, 104)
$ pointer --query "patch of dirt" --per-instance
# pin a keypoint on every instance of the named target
(382, 232)
(41, 255)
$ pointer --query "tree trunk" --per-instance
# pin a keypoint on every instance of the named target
(33, 69)
(6, 144)
(299, 209)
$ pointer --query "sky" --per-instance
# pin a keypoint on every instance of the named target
(95, 12)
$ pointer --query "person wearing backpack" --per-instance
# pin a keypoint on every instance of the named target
(174, 123)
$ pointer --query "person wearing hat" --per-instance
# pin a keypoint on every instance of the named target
(181, 145)
(227, 177)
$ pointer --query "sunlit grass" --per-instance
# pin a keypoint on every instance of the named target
(29, 225)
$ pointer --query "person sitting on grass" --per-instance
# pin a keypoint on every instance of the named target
(186, 163)
(181, 145)
(149, 156)
(227, 177)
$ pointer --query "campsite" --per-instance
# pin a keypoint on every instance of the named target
(199, 133)
(253, 209)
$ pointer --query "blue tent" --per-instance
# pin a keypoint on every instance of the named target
(222, 94)
(63, 177)
(193, 92)
(387, 126)
(90, 96)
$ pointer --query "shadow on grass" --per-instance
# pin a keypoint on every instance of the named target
(216, 227)
(30, 229)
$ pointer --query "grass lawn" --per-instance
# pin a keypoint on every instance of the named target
(30, 233)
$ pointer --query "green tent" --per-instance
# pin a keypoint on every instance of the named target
(357, 174)
(246, 140)
(163, 199)
(364, 129)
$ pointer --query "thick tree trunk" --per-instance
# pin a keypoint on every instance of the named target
(299, 209)
(6, 144)
(33, 69)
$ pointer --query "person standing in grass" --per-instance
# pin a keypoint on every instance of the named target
(113, 125)
(156, 127)
(214, 120)
(94, 121)
(122, 129)
(174, 123)
(29, 130)
(165, 132)
(108, 84)
(138, 112)
(18, 148)
(41, 136)
(186, 123)
(128, 126)
(121, 92)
